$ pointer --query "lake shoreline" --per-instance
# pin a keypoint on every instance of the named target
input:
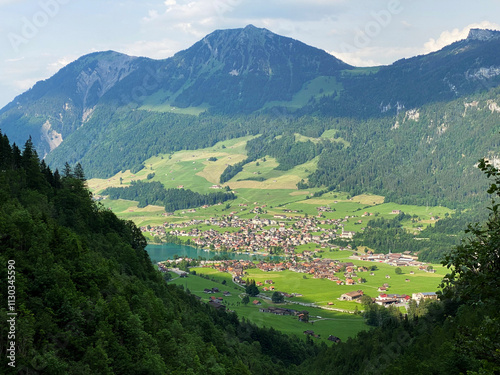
(167, 251)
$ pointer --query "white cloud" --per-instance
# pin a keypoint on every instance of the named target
(159, 49)
(447, 37)
(193, 11)
(61, 63)
(24, 84)
(374, 56)
(377, 55)
(14, 59)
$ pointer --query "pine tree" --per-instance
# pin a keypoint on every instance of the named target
(67, 172)
(78, 172)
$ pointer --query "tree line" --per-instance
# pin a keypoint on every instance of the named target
(154, 193)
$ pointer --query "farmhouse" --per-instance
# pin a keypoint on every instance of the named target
(277, 311)
(347, 235)
(217, 305)
(351, 296)
(334, 339)
(388, 299)
(423, 295)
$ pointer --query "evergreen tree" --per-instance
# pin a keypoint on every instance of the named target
(78, 172)
(277, 297)
(251, 289)
(67, 171)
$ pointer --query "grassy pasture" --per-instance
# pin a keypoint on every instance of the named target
(369, 199)
(189, 168)
(160, 102)
(323, 291)
(331, 322)
(274, 179)
(128, 210)
(316, 88)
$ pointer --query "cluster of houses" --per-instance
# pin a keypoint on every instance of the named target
(235, 267)
(216, 302)
(385, 299)
(393, 259)
(283, 311)
(317, 268)
(254, 234)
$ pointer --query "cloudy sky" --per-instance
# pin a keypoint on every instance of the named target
(38, 37)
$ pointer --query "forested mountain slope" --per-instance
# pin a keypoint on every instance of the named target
(457, 335)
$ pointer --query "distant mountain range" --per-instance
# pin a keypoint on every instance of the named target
(234, 82)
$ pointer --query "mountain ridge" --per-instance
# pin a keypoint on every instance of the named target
(250, 81)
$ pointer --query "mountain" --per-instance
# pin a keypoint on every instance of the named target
(465, 67)
(229, 70)
(111, 112)
(54, 108)
(240, 70)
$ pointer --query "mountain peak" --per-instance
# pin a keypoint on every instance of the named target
(483, 34)
(251, 27)
(250, 66)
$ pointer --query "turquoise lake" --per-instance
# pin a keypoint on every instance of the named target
(167, 251)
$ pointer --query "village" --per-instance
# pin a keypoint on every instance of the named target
(280, 234)
(253, 235)
(341, 273)
(303, 245)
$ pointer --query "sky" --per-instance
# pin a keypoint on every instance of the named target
(39, 37)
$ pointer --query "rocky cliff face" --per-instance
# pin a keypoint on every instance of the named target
(483, 34)
(54, 108)
(97, 78)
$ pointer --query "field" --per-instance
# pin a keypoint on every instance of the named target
(315, 88)
(323, 293)
(160, 102)
(193, 170)
(323, 322)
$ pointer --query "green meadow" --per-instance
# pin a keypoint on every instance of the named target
(314, 89)
(323, 293)
(323, 322)
(192, 169)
